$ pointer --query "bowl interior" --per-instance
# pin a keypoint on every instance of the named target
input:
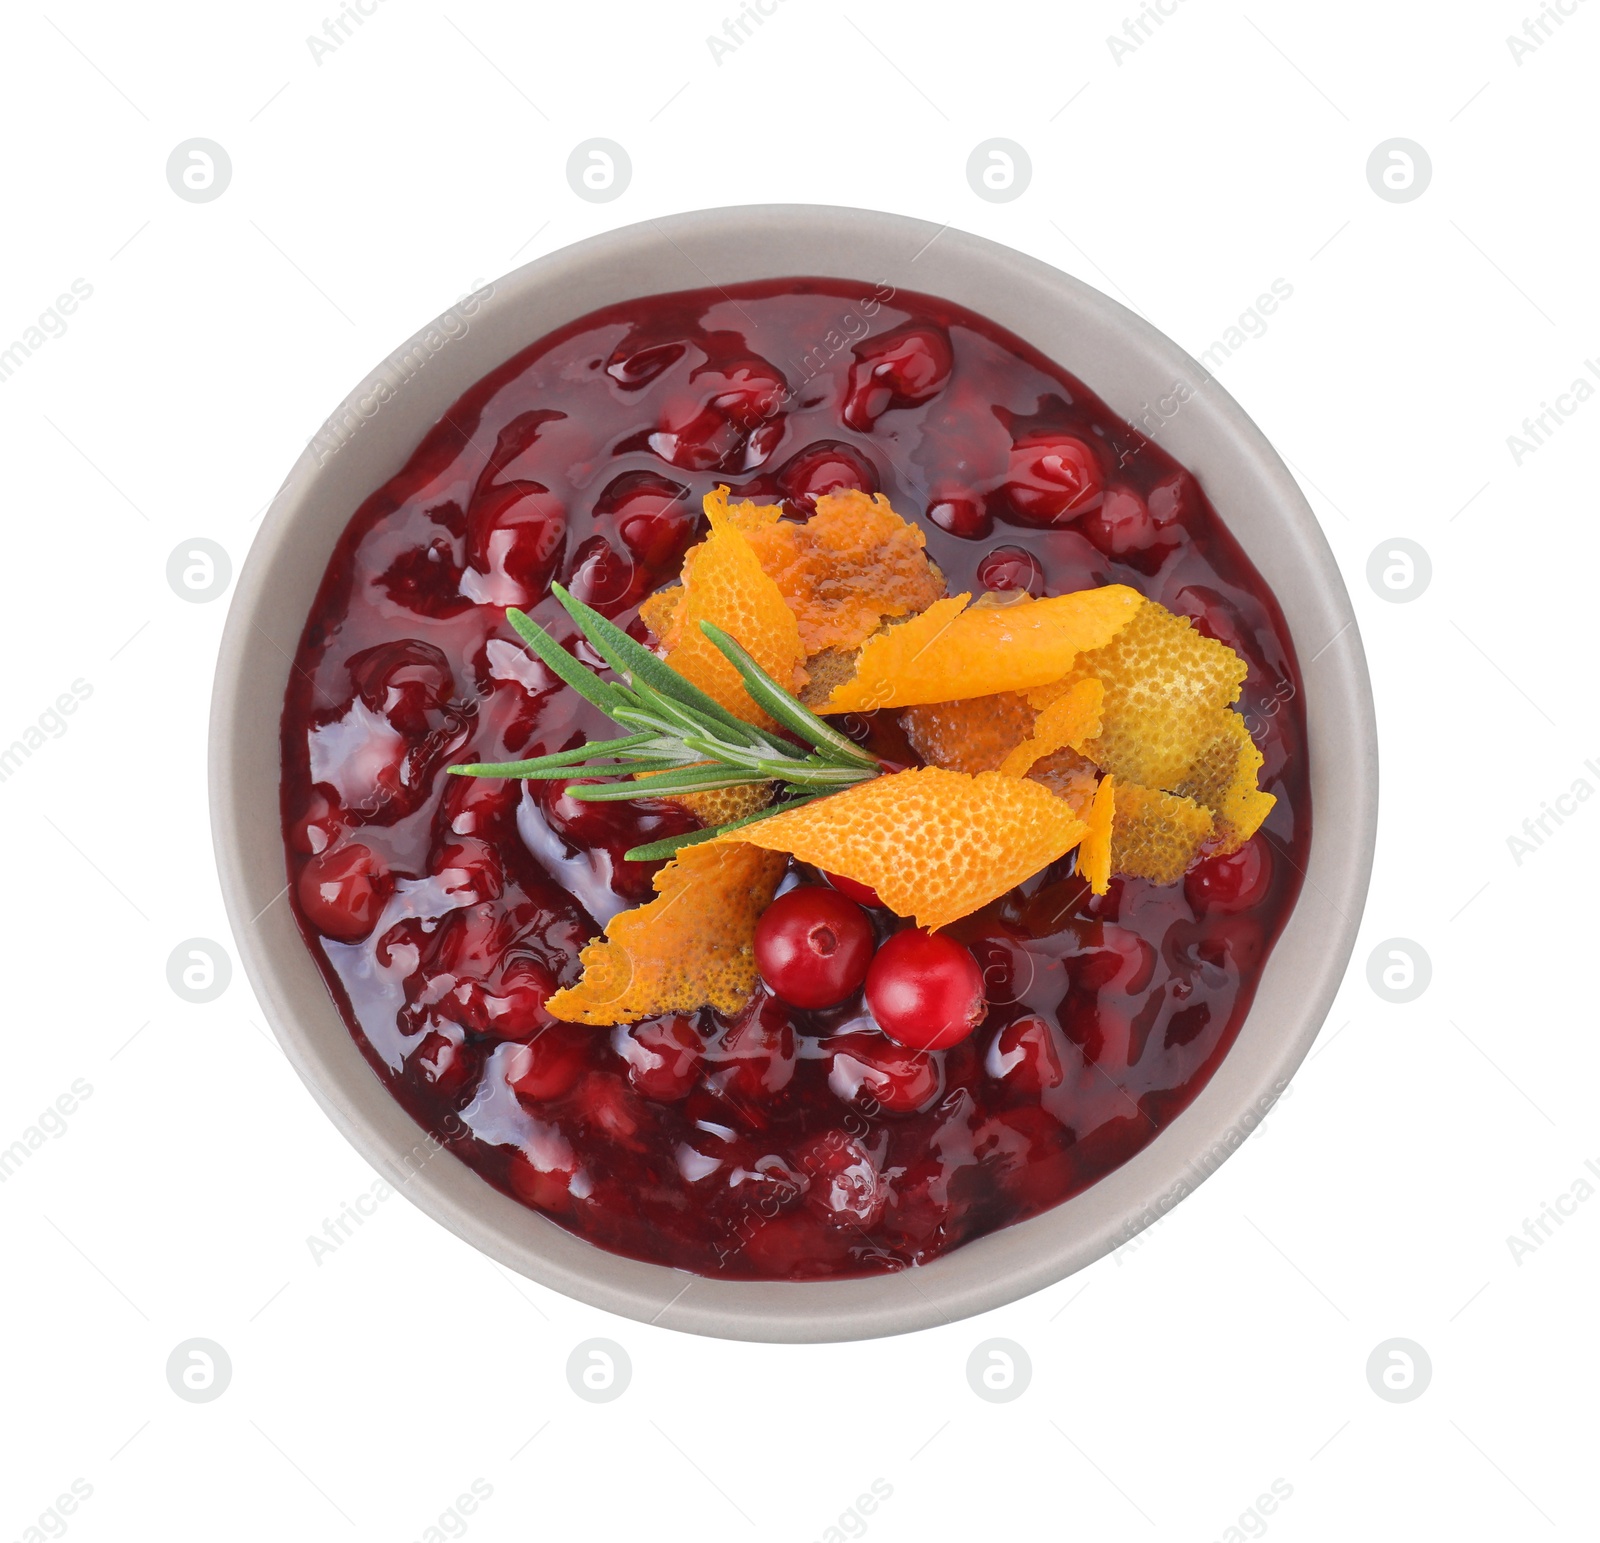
(1129, 365)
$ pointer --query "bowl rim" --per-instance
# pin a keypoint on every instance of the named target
(1119, 356)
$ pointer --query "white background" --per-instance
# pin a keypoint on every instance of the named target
(1172, 1384)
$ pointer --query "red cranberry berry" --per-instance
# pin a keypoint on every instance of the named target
(874, 1073)
(1219, 886)
(605, 578)
(1121, 525)
(813, 946)
(1029, 1054)
(662, 1055)
(1011, 568)
(961, 516)
(925, 990)
(1053, 478)
(733, 419)
(754, 1061)
(842, 1183)
(653, 516)
(549, 1066)
(342, 892)
(441, 1062)
(319, 824)
(862, 894)
(825, 467)
(897, 369)
(514, 535)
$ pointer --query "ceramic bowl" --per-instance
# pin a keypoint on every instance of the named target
(1119, 356)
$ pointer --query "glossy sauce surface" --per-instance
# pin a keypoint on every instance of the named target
(444, 911)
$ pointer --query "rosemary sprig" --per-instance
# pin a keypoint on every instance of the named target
(690, 741)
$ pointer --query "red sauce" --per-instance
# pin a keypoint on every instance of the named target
(444, 911)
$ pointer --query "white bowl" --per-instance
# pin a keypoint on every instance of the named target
(1123, 359)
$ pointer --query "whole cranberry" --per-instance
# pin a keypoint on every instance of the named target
(729, 417)
(605, 578)
(862, 894)
(754, 1060)
(442, 1062)
(318, 825)
(1029, 1054)
(1121, 960)
(515, 532)
(343, 891)
(1121, 525)
(960, 515)
(582, 823)
(654, 518)
(843, 1184)
(1052, 478)
(925, 990)
(813, 946)
(825, 467)
(548, 1067)
(662, 1056)
(873, 1073)
(896, 369)
(1219, 886)
(1012, 568)
(544, 1171)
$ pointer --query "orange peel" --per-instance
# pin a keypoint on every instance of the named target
(1066, 724)
(1164, 684)
(955, 649)
(936, 845)
(1155, 835)
(691, 947)
(725, 584)
(854, 562)
(1223, 779)
(972, 735)
(1094, 855)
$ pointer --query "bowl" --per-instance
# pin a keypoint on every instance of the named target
(1123, 359)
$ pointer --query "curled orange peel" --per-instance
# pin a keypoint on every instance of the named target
(854, 562)
(691, 947)
(1066, 724)
(1094, 856)
(936, 845)
(1156, 835)
(1223, 779)
(725, 584)
(955, 649)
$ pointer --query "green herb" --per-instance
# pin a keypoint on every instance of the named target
(689, 740)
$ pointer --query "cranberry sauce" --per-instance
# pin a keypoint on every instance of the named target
(444, 911)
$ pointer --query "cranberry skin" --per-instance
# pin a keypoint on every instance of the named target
(441, 1062)
(961, 516)
(1011, 568)
(1052, 479)
(897, 369)
(1029, 1054)
(605, 578)
(825, 467)
(925, 990)
(343, 891)
(406, 682)
(662, 1056)
(755, 1059)
(876, 1075)
(843, 1184)
(319, 824)
(1220, 886)
(548, 1067)
(813, 946)
(1121, 961)
(732, 421)
(515, 532)
(862, 894)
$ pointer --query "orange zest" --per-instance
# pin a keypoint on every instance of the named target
(691, 947)
(1155, 835)
(725, 584)
(1069, 721)
(955, 650)
(1223, 779)
(972, 735)
(1094, 856)
(935, 844)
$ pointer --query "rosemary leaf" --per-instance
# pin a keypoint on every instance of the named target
(585, 682)
(777, 702)
(672, 845)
